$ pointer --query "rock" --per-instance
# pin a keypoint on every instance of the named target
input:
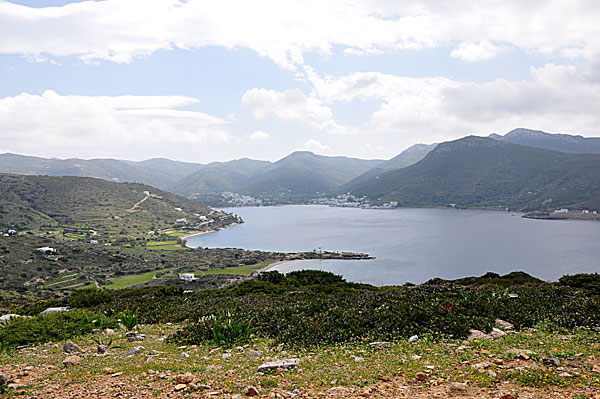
(55, 310)
(504, 324)
(180, 387)
(184, 355)
(134, 350)
(130, 334)
(416, 357)
(565, 374)
(385, 378)
(251, 391)
(214, 350)
(134, 339)
(109, 331)
(555, 362)
(70, 347)
(96, 331)
(71, 360)
(7, 317)
(3, 378)
(193, 386)
(413, 339)
(596, 368)
(380, 345)
(508, 396)
(280, 364)
(421, 376)
(476, 334)
(255, 353)
(102, 349)
(109, 370)
(458, 388)
(185, 378)
(226, 355)
(497, 333)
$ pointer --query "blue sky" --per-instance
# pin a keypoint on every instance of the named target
(201, 81)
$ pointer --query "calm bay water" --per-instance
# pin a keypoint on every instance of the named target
(416, 244)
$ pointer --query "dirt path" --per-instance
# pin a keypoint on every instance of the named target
(132, 209)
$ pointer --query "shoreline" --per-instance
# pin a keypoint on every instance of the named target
(199, 233)
(271, 265)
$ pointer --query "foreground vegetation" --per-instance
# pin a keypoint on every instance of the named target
(221, 336)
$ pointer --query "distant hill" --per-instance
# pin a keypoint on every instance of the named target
(303, 174)
(217, 177)
(483, 172)
(406, 158)
(557, 142)
(107, 169)
(78, 203)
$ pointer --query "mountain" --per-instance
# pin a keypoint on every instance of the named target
(84, 204)
(217, 177)
(557, 142)
(303, 174)
(165, 172)
(406, 158)
(107, 169)
(484, 172)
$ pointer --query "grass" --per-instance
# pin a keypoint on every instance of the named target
(133, 279)
(245, 270)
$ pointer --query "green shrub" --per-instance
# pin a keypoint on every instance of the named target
(129, 318)
(221, 329)
(88, 297)
(53, 327)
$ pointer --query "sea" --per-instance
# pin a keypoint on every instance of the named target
(415, 245)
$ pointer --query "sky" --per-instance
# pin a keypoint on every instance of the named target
(203, 81)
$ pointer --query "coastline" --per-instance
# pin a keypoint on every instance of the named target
(271, 265)
(199, 233)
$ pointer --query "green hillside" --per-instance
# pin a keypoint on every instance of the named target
(483, 172)
(303, 174)
(408, 157)
(108, 210)
(217, 177)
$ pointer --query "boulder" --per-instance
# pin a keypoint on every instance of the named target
(72, 360)
(476, 334)
(7, 317)
(180, 387)
(280, 364)
(421, 376)
(55, 310)
(102, 349)
(380, 345)
(458, 388)
(251, 391)
(505, 325)
(413, 339)
(185, 378)
(497, 333)
(134, 350)
(70, 347)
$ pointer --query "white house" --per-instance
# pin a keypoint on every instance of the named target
(93, 241)
(187, 276)
(178, 209)
(147, 193)
(11, 232)
(182, 220)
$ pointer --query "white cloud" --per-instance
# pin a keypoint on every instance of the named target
(121, 126)
(291, 105)
(259, 135)
(480, 51)
(315, 146)
(557, 98)
(284, 30)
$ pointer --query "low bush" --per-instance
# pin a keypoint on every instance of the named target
(53, 327)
